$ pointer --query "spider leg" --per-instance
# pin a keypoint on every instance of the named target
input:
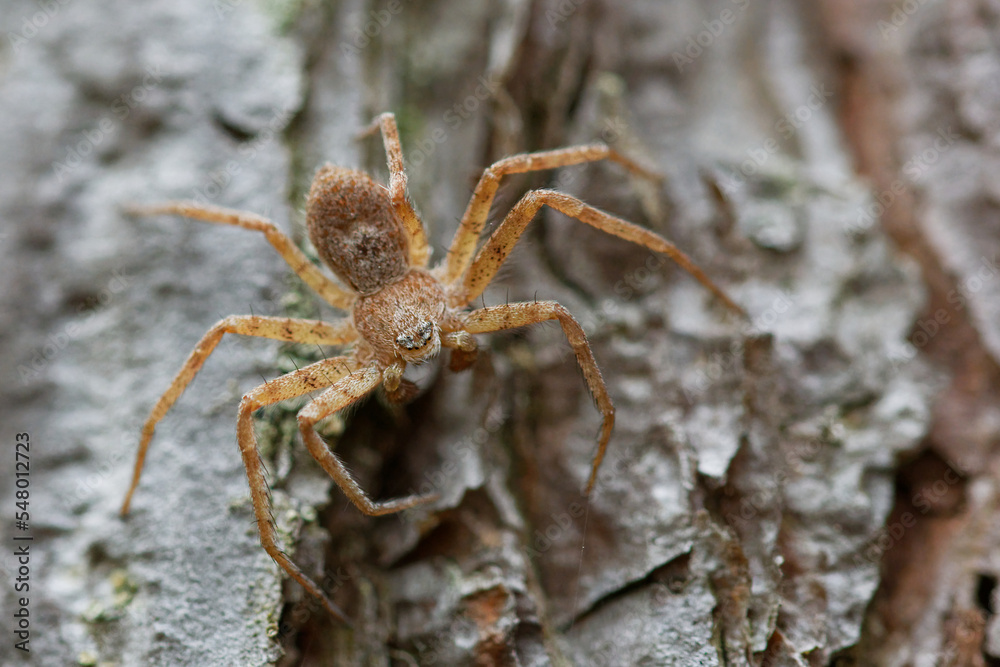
(315, 376)
(464, 349)
(296, 259)
(419, 249)
(341, 395)
(464, 244)
(278, 328)
(498, 246)
(510, 316)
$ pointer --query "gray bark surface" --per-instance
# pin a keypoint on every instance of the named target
(746, 511)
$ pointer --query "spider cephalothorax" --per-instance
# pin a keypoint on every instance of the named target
(400, 312)
(405, 319)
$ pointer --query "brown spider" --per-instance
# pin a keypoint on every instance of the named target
(400, 312)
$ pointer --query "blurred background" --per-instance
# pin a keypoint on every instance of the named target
(815, 486)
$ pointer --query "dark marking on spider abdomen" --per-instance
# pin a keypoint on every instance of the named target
(355, 230)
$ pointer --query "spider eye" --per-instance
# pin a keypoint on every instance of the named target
(419, 338)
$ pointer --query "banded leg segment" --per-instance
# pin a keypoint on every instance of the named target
(296, 259)
(495, 250)
(464, 244)
(277, 328)
(464, 350)
(510, 316)
(315, 376)
(343, 394)
(419, 248)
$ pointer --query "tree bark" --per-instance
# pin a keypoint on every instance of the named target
(760, 503)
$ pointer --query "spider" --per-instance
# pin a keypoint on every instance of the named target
(399, 311)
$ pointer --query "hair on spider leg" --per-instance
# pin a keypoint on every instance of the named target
(323, 354)
(259, 412)
(332, 379)
(267, 482)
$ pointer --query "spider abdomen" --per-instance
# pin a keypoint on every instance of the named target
(355, 230)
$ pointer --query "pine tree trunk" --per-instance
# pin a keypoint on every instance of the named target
(807, 487)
